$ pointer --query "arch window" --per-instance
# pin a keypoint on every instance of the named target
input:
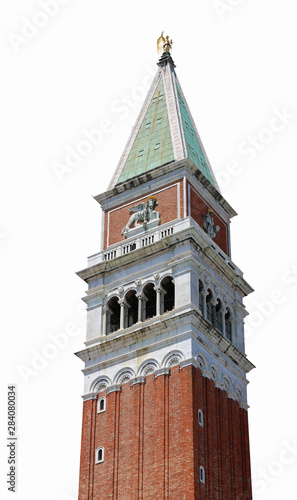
(217, 316)
(101, 406)
(113, 315)
(99, 455)
(131, 310)
(209, 307)
(168, 294)
(150, 303)
(200, 296)
(228, 325)
(200, 418)
(202, 474)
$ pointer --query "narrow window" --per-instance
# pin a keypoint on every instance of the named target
(148, 125)
(168, 297)
(99, 456)
(200, 296)
(101, 405)
(150, 303)
(141, 152)
(209, 307)
(217, 317)
(113, 315)
(202, 474)
(228, 326)
(200, 418)
(157, 146)
(132, 308)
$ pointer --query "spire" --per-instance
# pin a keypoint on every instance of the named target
(165, 130)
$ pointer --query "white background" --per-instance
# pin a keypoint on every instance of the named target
(91, 62)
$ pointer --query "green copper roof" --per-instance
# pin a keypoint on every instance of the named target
(153, 145)
(193, 146)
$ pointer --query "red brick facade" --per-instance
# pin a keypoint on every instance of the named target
(199, 207)
(170, 205)
(154, 445)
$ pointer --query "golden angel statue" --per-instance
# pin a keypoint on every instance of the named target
(164, 44)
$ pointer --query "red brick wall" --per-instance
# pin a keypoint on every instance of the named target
(154, 445)
(116, 218)
(199, 207)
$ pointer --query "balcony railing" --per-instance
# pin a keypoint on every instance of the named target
(154, 235)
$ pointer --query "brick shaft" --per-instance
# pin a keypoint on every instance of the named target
(154, 445)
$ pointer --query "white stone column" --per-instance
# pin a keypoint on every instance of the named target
(122, 303)
(158, 300)
(104, 319)
(140, 297)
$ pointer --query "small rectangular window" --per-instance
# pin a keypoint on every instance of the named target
(99, 455)
(101, 405)
(202, 474)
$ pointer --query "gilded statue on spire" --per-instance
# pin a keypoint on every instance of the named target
(164, 44)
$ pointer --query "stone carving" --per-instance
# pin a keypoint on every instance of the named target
(144, 212)
(208, 224)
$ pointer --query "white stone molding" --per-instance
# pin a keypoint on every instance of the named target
(162, 371)
(226, 381)
(149, 281)
(148, 366)
(137, 380)
(124, 376)
(113, 388)
(239, 393)
(215, 375)
(100, 384)
(87, 397)
(188, 362)
(173, 358)
(243, 405)
(201, 360)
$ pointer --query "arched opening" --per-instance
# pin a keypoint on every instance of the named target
(101, 405)
(217, 316)
(202, 474)
(113, 315)
(228, 325)
(209, 307)
(150, 303)
(168, 295)
(99, 457)
(131, 308)
(200, 296)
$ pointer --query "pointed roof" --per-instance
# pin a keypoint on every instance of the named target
(164, 131)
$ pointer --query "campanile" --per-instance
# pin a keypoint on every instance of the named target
(165, 414)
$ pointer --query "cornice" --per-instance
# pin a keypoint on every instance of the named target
(173, 324)
(161, 171)
(192, 233)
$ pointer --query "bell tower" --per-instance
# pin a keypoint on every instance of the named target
(165, 412)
